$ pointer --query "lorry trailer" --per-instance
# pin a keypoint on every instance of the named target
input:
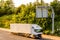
(28, 30)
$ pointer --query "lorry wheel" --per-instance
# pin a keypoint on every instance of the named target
(13, 33)
(40, 36)
(32, 36)
(26, 35)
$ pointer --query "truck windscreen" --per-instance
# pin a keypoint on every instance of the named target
(38, 30)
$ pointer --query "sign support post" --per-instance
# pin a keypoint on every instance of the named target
(53, 14)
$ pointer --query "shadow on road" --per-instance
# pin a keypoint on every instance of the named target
(44, 39)
(35, 38)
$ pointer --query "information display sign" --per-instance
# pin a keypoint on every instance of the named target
(41, 12)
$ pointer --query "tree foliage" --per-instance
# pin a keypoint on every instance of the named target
(6, 7)
(56, 5)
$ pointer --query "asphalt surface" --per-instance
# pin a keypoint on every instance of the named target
(6, 35)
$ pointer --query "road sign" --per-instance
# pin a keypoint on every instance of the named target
(41, 12)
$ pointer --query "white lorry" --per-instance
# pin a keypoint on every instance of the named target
(28, 30)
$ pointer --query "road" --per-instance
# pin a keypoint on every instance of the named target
(6, 35)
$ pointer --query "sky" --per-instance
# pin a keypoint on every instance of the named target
(19, 2)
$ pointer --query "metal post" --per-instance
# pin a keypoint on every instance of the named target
(53, 20)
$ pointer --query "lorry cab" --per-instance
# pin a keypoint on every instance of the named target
(36, 30)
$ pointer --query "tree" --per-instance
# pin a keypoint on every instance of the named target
(6, 7)
(56, 5)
